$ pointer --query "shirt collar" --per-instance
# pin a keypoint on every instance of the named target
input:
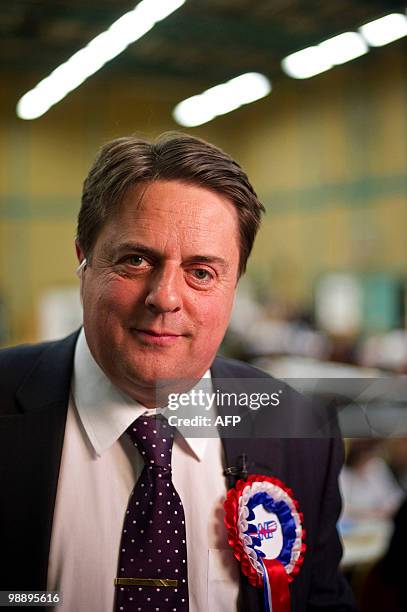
(105, 411)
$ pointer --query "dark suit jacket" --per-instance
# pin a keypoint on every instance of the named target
(34, 393)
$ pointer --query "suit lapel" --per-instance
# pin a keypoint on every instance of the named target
(263, 455)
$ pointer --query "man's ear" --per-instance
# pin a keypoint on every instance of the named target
(81, 258)
(82, 263)
(79, 253)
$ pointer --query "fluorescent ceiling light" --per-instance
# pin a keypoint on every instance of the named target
(343, 48)
(306, 63)
(85, 62)
(384, 30)
(332, 52)
(221, 99)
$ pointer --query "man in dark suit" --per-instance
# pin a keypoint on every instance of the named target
(164, 233)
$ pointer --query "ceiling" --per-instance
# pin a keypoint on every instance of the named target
(207, 39)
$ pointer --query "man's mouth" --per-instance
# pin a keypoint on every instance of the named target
(157, 337)
(158, 334)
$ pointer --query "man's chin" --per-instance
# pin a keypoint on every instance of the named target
(152, 387)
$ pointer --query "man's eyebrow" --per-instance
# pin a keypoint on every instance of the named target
(208, 259)
(117, 249)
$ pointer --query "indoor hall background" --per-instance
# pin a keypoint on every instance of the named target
(327, 155)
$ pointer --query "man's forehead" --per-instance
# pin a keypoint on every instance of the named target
(173, 195)
(175, 211)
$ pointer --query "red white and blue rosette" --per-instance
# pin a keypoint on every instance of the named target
(265, 530)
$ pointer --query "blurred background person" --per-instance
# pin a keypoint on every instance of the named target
(369, 489)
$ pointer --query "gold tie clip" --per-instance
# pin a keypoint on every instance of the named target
(154, 582)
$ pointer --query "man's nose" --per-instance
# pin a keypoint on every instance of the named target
(164, 291)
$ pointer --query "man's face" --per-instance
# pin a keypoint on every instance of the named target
(158, 293)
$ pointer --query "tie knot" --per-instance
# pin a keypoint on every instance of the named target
(153, 437)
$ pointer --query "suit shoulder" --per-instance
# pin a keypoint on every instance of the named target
(226, 367)
(255, 379)
(22, 354)
(299, 415)
(40, 364)
(25, 355)
(16, 363)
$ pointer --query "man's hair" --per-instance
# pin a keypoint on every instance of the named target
(125, 162)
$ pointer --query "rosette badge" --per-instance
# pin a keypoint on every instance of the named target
(265, 530)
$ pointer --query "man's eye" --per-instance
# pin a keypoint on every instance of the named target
(201, 274)
(135, 260)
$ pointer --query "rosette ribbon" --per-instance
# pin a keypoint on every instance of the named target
(265, 530)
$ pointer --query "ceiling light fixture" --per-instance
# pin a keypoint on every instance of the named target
(306, 63)
(332, 52)
(221, 99)
(384, 30)
(85, 62)
(343, 48)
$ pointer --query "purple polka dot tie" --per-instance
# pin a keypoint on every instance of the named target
(152, 571)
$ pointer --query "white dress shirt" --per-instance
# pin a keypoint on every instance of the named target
(99, 468)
